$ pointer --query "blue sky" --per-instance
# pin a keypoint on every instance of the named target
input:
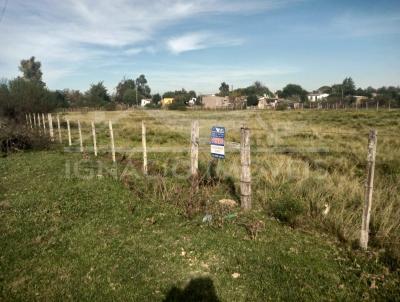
(198, 44)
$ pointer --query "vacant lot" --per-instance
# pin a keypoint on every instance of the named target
(315, 157)
(78, 228)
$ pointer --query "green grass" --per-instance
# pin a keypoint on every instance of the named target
(315, 157)
(71, 238)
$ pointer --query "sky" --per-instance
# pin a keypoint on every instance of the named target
(196, 45)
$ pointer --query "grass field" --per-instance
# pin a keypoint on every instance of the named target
(317, 157)
(78, 228)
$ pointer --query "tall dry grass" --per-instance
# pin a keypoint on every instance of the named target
(315, 158)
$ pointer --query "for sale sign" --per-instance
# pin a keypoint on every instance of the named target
(218, 142)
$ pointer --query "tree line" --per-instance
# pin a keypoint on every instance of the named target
(345, 93)
(28, 93)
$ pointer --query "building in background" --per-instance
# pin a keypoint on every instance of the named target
(314, 97)
(215, 102)
(266, 102)
(144, 102)
(166, 101)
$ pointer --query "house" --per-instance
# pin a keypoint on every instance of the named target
(215, 102)
(166, 101)
(313, 97)
(360, 99)
(144, 102)
(192, 101)
(265, 102)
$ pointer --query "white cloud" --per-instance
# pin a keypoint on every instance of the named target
(68, 35)
(199, 40)
(362, 25)
(206, 79)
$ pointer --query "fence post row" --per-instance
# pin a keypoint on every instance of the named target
(369, 187)
(245, 175)
(69, 134)
(194, 151)
(112, 140)
(50, 120)
(80, 136)
(59, 128)
(94, 139)
(144, 148)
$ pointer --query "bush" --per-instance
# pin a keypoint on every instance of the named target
(15, 138)
(287, 209)
(111, 106)
(177, 105)
(282, 106)
(153, 106)
(20, 96)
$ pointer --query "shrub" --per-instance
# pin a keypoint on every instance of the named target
(177, 105)
(15, 138)
(153, 106)
(282, 106)
(287, 209)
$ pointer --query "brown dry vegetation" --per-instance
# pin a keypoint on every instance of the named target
(314, 159)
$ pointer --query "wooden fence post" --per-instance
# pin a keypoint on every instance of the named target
(369, 187)
(245, 175)
(50, 120)
(59, 128)
(34, 120)
(112, 140)
(194, 150)
(94, 139)
(38, 117)
(80, 136)
(30, 120)
(144, 148)
(377, 105)
(44, 123)
(69, 134)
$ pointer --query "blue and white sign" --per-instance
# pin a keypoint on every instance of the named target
(218, 142)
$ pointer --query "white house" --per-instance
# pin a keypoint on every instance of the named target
(144, 102)
(313, 97)
(192, 101)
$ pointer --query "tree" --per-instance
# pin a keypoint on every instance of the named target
(20, 96)
(252, 100)
(156, 98)
(257, 89)
(74, 98)
(143, 88)
(31, 70)
(224, 89)
(97, 95)
(60, 98)
(296, 92)
(141, 80)
(129, 96)
(122, 87)
(337, 90)
(348, 86)
(325, 89)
